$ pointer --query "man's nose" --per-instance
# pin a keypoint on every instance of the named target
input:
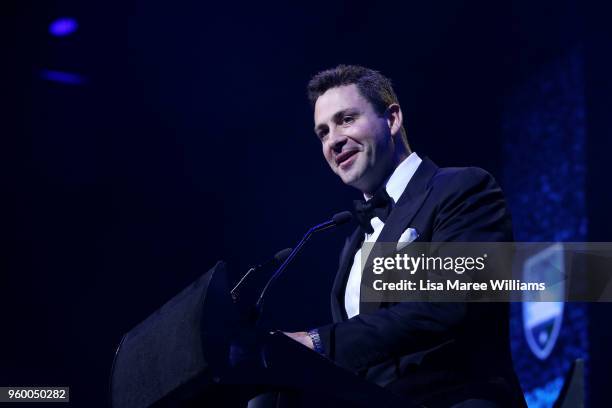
(337, 140)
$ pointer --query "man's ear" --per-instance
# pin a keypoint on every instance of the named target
(394, 118)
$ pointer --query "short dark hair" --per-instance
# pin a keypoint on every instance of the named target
(373, 85)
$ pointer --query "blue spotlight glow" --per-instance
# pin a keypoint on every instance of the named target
(63, 77)
(63, 26)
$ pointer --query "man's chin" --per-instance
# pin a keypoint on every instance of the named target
(350, 179)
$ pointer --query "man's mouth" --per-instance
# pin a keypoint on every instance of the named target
(345, 158)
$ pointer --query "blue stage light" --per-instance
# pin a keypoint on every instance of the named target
(63, 26)
(63, 77)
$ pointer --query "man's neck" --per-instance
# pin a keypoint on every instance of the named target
(397, 160)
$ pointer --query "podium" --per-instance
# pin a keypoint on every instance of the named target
(198, 351)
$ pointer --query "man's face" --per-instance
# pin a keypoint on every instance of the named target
(356, 141)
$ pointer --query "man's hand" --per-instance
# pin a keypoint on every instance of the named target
(301, 337)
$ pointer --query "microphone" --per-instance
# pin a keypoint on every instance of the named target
(338, 219)
(277, 259)
(281, 255)
(335, 221)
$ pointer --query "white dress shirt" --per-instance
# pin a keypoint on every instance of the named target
(395, 186)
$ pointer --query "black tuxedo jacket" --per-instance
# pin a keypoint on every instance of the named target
(435, 354)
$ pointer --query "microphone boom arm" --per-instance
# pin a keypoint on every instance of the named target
(336, 220)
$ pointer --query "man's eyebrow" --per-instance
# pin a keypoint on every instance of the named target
(337, 116)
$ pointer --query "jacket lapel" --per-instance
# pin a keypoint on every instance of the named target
(346, 261)
(401, 216)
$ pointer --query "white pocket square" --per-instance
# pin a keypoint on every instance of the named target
(407, 237)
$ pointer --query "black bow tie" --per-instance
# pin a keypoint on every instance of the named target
(378, 206)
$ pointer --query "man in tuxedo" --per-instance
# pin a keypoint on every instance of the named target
(434, 354)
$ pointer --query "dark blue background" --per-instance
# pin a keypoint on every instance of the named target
(191, 141)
